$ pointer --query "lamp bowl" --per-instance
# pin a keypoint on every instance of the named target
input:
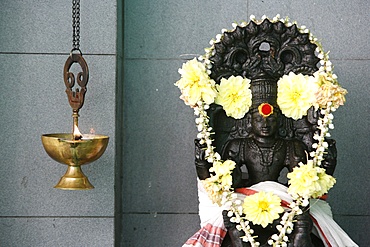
(62, 148)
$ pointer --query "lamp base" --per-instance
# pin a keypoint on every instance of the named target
(74, 179)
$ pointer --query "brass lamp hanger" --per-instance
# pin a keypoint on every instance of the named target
(75, 149)
(76, 98)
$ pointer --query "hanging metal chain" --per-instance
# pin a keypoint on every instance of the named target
(76, 24)
(76, 95)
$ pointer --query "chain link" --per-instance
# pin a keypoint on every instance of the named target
(76, 24)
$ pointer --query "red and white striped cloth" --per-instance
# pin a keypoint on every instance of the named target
(213, 231)
(208, 236)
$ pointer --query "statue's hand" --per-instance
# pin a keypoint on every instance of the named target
(233, 232)
(330, 158)
(301, 239)
(301, 236)
(228, 224)
(201, 165)
(199, 150)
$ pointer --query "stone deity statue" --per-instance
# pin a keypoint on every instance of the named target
(260, 156)
(264, 144)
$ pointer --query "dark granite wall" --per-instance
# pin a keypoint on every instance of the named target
(35, 41)
(145, 182)
(158, 180)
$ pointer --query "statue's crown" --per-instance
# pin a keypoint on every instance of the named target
(263, 91)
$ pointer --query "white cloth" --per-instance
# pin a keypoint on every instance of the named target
(209, 212)
(212, 229)
(321, 211)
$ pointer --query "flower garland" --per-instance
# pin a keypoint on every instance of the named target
(296, 94)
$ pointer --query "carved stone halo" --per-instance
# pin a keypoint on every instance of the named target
(262, 51)
(268, 48)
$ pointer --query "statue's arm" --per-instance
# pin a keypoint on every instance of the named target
(296, 154)
(231, 151)
(201, 164)
(330, 158)
(300, 236)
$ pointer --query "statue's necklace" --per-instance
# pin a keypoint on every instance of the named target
(267, 153)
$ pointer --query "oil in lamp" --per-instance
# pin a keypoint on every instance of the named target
(75, 149)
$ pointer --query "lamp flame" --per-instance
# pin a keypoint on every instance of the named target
(76, 133)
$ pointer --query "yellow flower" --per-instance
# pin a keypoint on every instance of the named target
(262, 208)
(234, 96)
(215, 186)
(222, 168)
(221, 180)
(213, 190)
(302, 180)
(309, 181)
(195, 84)
(223, 172)
(325, 183)
(330, 91)
(296, 94)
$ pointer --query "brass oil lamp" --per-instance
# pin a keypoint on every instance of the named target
(75, 149)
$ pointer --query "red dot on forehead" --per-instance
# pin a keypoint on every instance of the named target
(265, 109)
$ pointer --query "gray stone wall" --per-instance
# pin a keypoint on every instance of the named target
(35, 41)
(159, 182)
(145, 183)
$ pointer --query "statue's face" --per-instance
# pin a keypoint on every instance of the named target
(264, 126)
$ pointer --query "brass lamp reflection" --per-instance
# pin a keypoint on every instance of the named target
(75, 149)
